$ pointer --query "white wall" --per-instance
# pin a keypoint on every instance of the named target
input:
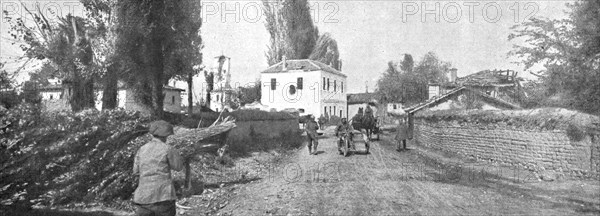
(172, 101)
(312, 98)
(121, 95)
(333, 98)
(51, 94)
(390, 106)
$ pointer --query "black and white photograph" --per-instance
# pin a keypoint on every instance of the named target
(299, 107)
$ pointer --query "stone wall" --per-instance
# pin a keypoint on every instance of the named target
(569, 148)
(266, 129)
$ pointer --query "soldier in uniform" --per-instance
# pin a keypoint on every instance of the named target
(311, 132)
(343, 128)
(402, 133)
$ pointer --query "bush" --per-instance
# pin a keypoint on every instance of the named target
(57, 158)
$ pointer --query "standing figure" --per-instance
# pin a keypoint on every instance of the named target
(402, 133)
(155, 194)
(322, 121)
(311, 132)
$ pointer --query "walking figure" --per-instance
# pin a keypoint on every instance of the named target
(311, 132)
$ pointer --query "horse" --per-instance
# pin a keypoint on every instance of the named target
(366, 122)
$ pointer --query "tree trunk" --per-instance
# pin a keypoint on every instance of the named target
(156, 58)
(109, 95)
(190, 82)
(156, 70)
(82, 94)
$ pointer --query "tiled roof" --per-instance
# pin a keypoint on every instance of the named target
(51, 87)
(120, 86)
(172, 88)
(361, 98)
(442, 98)
(488, 78)
(302, 64)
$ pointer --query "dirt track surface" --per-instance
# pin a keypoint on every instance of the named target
(387, 182)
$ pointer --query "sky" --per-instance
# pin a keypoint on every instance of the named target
(471, 35)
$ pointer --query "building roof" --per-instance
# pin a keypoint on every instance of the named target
(443, 98)
(172, 88)
(120, 86)
(489, 78)
(302, 64)
(362, 98)
(51, 87)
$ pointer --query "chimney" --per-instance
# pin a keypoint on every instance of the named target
(283, 65)
(453, 74)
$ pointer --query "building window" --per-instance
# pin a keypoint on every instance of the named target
(325, 110)
(299, 84)
(334, 110)
(340, 113)
(395, 107)
(51, 96)
(217, 97)
(330, 111)
(342, 87)
(273, 83)
(335, 85)
(324, 84)
(172, 99)
(327, 84)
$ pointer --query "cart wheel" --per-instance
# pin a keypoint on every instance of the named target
(346, 147)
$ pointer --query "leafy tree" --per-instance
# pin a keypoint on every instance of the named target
(185, 61)
(569, 52)
(431, 69)
(67, 45)
(250, 93)
(326, 51)
(102, 16)
(209, 78)
(406, 83)
(151, 41)
(292, 31)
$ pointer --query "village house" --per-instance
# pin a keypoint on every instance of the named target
(307, 86)
(55, 98)
(500, 84)
(487, 90)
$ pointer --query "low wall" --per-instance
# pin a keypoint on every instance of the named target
(56, 105)
(268, 129)
(562, 142)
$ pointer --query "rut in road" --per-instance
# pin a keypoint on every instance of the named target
(384, 182)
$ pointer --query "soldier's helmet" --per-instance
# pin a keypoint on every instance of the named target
(344, 120)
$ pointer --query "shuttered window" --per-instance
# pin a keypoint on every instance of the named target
(299, 84)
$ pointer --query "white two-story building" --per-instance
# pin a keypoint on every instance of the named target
(309, 86)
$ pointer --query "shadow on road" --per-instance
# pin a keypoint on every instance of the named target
(53, 212)
(319, 152)
(228, 183)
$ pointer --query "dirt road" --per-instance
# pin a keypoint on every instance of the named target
(387, 182)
